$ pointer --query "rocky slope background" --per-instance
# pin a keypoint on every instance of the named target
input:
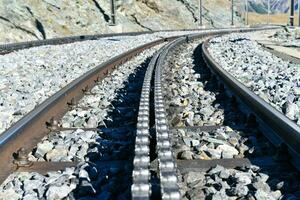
(23, 20)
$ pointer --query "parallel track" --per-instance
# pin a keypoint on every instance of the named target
(277, 127)
(34, 126)
(7, 48)
(280, 131)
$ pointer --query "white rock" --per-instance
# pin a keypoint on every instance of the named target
(43, 148)
(243, 177)
(92, 122)
(58, 192)
(192, 177)
(9, 194)
(56, 155)
(227, 151)
(291, 110)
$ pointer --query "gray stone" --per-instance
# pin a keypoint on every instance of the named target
(92, 122)
(224, 185)
(209, 145)
(195, 143)
(213, 140)
(196, 193)
(206, 111)
(216, 169)
(219, 196)
(226, 154)
(243, 177)
(43, 148)
(276, 194)
(9, 194)
(263, 177)
(209, 180)
(254, 168)
(187, 141)
(83, 174)
(291, 110)
(224, 174)
(201, 147)
(296, 91)
(192, 177)
(233, 141)
(179, 149)
(261, 186)
(260, 194)
(56, 155)
(213, 153)
(186, 155)
(243, 148)
(227, 151)
(73, 150)
(30, 196)
(79, 122)
(39, 177)
(210, 190)
(53, 177)
(240, 190)
(58, 192)
(221, 135)
(30, 185)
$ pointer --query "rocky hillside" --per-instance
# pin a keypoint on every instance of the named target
(38, 19)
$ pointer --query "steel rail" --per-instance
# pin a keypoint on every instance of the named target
(30, 129)
(280, 128)
(7, 48)
(141, 187)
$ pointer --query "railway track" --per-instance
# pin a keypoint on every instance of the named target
(133, 132)
(226, 143)
(7, 48)
(10, 47)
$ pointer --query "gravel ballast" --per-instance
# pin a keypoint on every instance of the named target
(192, 98)
(273, 79)
(89, 179)
(288, 37)
(30, 76)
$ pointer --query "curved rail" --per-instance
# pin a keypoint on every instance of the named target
(7, 48)
(33, 127)
(141, 188)
(284, 130)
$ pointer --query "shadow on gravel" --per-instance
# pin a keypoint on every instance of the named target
(281, 175)
(110, 161)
